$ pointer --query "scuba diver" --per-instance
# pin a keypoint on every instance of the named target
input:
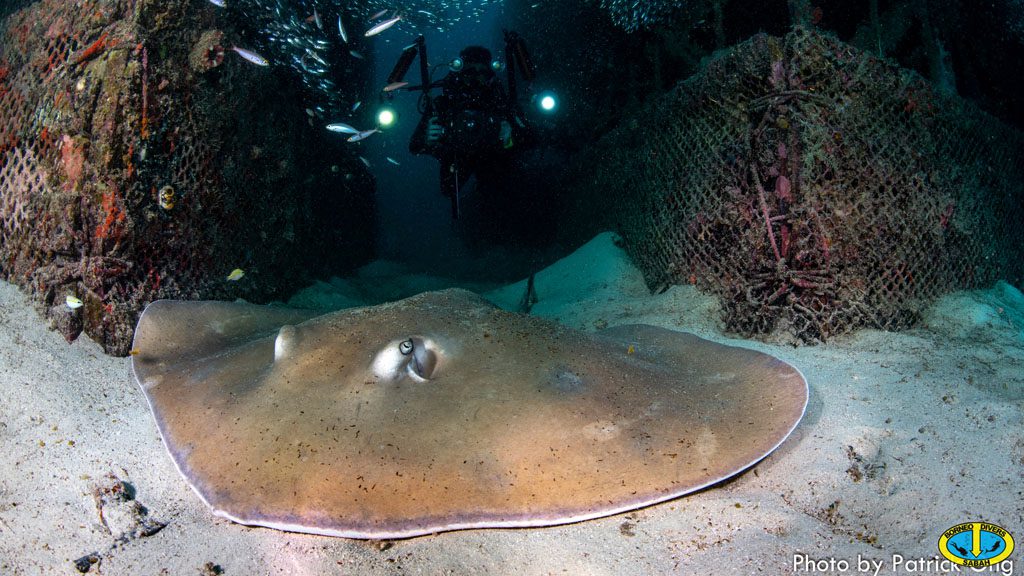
(471, 128)
(476, 127)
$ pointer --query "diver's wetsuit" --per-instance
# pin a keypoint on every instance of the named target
(471, 115)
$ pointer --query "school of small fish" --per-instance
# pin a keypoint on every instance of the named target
(324, 41)
(633, 15)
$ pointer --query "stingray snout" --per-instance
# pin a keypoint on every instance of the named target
(416, 356)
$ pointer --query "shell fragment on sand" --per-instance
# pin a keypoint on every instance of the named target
(442, 412)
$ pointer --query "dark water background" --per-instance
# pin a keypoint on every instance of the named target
(414, 219)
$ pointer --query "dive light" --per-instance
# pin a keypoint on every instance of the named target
(386, 117)
(546, 101)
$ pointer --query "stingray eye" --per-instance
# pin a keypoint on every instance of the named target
(423, 359)
(406, 347)
(417, 358)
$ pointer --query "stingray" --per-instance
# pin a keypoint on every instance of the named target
(442, 412)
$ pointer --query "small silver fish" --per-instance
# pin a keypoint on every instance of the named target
(363, 135)
(383, 26)
(219, 3)
(378, 15)
(355, 54)
(357, 105)
(341, 30)
(312, 54)
(316, 18)
(392, 160)
(251, 56)
(395, 86)
(342, 128)
(365, 161)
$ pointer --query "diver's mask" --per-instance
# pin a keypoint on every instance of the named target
(473, 73)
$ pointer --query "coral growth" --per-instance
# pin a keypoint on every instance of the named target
(208, 52)
(73, 159)
(111, 225)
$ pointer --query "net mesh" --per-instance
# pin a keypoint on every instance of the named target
(138, 162)
(814, 188)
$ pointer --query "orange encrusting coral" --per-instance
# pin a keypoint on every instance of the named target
(113, 225)
(96, 48)
(72, 158)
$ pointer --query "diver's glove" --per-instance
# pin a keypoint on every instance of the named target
(434, 131)
(505, 134)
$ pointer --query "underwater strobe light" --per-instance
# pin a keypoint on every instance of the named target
(547, 102)
(386, 117)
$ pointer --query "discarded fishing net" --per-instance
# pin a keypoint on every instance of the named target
(813, 187)
(140, 159)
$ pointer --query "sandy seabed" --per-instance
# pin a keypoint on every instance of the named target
(906, 434)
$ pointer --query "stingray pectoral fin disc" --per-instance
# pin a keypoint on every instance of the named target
(172, 330)
(441, 412)
(749, 401)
